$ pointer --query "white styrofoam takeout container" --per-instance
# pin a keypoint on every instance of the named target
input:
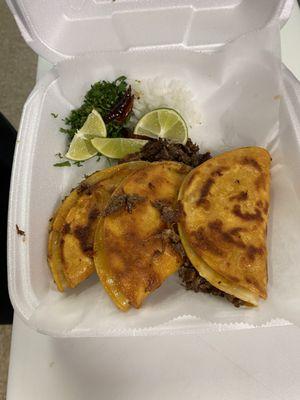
(59, 30)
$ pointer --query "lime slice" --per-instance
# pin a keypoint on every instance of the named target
(80, 148)
(117, 147)
(94, 125)
(163, 123)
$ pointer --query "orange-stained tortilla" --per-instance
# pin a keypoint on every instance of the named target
(223, 229)
(134, 249)
(72, 229)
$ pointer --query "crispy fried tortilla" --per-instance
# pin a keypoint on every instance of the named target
(223, 229)
(72, 229)
(136, 247)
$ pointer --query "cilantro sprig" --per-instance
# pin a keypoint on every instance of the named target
(102, 96)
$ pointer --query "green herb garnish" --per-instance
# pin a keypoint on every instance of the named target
(54, 115)
(102, 96)
(62, 164)
(59, 155)
(78, 163)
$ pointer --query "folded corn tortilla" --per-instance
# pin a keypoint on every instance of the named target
(223, 227)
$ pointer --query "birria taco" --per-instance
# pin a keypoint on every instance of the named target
(72, 228)
(224, 218)
(136, 247)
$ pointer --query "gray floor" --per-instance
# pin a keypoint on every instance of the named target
(5, 336)
(17, 78)
(17, 67)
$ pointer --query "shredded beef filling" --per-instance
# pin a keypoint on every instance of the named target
(122, 202)
(191, 280)
(171, 237)
(170, 214)
(164, 150)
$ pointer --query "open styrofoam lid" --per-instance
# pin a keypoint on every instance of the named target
(58, 29)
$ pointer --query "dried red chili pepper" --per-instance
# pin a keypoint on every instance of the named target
(121, 109)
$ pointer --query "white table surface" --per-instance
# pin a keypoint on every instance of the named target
(258, 364)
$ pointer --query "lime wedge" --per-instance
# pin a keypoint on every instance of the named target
(163, 123)
(117, 147)
(94, 125)
(80, 148)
